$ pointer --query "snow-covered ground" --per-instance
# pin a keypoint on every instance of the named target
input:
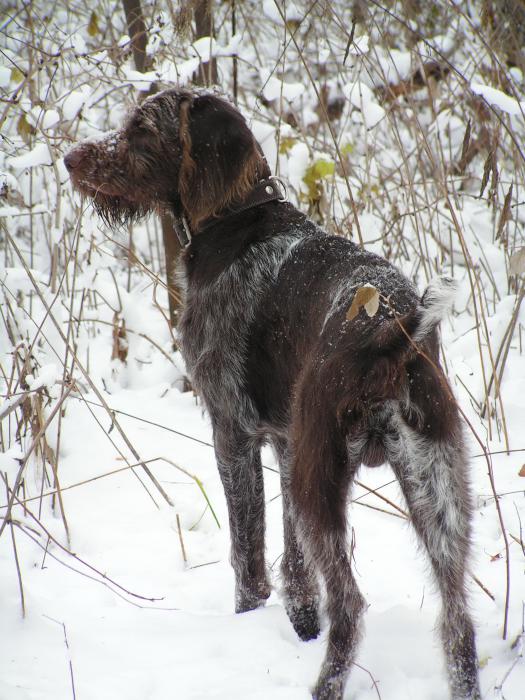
(138, 604)
(182, 639)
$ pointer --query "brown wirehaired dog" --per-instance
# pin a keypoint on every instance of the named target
(276, 357)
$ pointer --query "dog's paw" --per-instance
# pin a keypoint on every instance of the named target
(331, 690)
(252, 598)
(305, 620)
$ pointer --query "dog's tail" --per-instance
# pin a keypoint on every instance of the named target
(398, 335)
(435, 304)
(381, 357)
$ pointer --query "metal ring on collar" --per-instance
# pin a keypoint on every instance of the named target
(281, 186)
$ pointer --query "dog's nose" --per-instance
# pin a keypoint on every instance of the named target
(72, 159)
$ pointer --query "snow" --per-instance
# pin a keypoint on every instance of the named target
(5, 76)
(444, 43)
(126, 614)
(207, 47)
(290, 11)
(39, 155)
(47, 376)
(7, 182)
(274, 89)
(499, 99)
(77, 42)
(360, 45)
(74, 102)
(141, 81)
(45, 119)
(298, 162)
(51, 118)
(10, 459)
(17, 279)
(201, 50)
(189, 641)
(393, 65)
(362, 97)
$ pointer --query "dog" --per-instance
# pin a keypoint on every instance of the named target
(279, 351)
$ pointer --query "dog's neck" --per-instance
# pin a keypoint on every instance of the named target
(268, 190)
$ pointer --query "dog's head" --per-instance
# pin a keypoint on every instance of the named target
(190, 152)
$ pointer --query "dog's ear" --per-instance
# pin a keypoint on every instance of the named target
(221, 160)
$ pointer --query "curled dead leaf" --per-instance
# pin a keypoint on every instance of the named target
(522, 471)
(366, 297)
(517, 262)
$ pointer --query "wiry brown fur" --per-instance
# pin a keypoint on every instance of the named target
(121, 171)
(205, 189)
(269, 347)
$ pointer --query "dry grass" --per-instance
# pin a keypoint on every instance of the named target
(435, 185)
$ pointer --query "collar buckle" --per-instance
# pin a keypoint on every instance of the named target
(271, 189)
(182, 229)
(281, 187)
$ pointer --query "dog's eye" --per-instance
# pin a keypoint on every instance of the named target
(138, 133)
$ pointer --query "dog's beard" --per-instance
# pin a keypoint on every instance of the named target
(118, 210)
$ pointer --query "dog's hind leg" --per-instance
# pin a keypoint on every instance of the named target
(345, 606)
(321, 479)
(430, 464)
(325, 541)
(240, 469)
(300, 587)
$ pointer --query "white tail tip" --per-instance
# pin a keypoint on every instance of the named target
(436, 302)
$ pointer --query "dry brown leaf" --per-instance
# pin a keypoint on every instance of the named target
(466, 143)
(120, 339)
(517, 262)
(24, 128)
(367, 298)
(505, 214)
(522, 471)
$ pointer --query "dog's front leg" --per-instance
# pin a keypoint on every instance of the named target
(239, 462)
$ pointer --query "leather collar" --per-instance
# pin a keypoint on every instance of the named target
(268, 190)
